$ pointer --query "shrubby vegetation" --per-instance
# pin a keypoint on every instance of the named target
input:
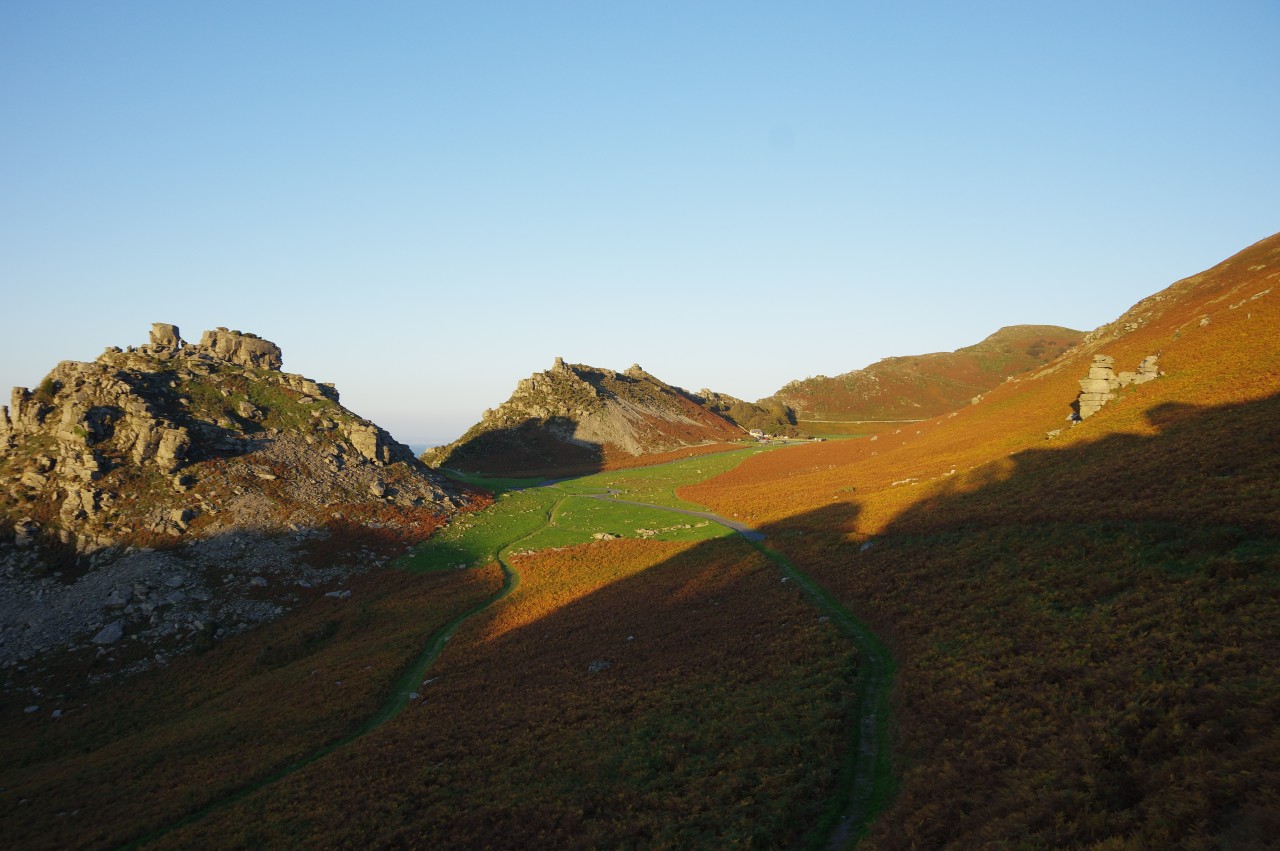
(129, 759)
(1085, 619)
(631, 694)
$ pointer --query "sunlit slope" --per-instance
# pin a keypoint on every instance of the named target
(914, 387)
(1084, 624)
(1232, 357)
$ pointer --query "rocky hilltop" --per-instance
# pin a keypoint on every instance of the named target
(178, 488)
(574, 418)
(921, 386)
(171, 439)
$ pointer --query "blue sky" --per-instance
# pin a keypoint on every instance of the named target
(426, 202)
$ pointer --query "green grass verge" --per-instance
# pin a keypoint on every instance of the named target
(658, 484)
(494, 484)
(474, 540)
(579, 519)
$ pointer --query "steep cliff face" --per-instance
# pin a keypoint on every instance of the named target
(169, 440)
(574, 417)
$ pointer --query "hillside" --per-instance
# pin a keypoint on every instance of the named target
(1084, 615)
(1072, 584)
(917, 387)
(173, 493)
(769, 416)
(574, 418)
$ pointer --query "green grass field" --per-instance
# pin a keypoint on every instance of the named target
(528, 516)
(658, 484)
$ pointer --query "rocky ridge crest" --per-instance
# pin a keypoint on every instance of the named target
(574, 415)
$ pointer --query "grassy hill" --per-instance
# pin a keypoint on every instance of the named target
(920, 386)
(1084, 616)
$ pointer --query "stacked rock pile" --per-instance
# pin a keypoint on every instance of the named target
(1101, 385)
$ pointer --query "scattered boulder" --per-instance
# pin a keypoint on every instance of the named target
(110, 634)
(250, 411)
(24, 532)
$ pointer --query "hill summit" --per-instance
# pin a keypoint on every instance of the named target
(917, 387)
(576, 418)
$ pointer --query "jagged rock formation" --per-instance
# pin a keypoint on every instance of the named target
(172, 439)
(921, 386)
(577, 417)
(1101, 385)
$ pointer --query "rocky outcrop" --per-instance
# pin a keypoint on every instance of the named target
(575, 417)
(171, 439)
(1101, 385)
(242, 349)
(1147, 371)
(165, 336)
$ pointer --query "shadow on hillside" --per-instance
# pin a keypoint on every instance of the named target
(1203, 465)
(1042, 712)
(1085, 636)
(534, 447)
(605, 698)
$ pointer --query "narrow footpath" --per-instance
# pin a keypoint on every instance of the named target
(866, 778)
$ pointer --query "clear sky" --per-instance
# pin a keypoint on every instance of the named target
(425, 202)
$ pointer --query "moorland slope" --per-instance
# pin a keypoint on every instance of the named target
(1084, 615)
(916, 387)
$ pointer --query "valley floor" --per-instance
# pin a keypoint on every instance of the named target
(624, 610)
